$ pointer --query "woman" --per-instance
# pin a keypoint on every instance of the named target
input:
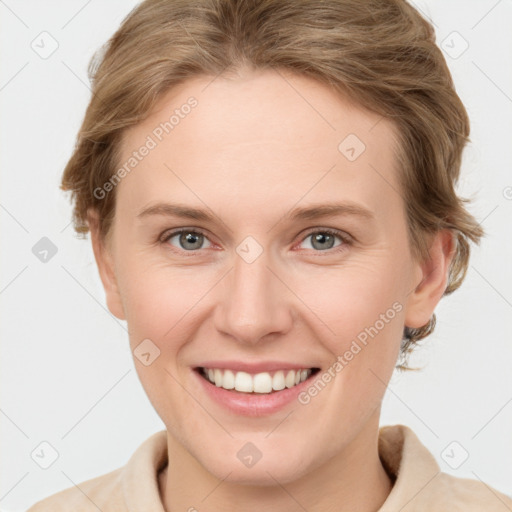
(269, 189)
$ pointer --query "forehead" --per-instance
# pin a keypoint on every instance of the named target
(253, 136)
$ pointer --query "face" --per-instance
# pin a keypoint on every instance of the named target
(225, 256)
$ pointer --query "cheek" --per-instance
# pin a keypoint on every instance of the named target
(351, 298)
(159, 301)
(360, 307)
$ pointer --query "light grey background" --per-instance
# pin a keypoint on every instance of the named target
(67, 374)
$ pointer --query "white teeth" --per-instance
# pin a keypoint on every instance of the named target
(243, 382)
(228, 380)
(278, 381)
(260, 383)
(290, 379)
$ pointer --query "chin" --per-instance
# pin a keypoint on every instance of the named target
(278, 468)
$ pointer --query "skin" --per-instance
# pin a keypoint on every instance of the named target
(253, 149)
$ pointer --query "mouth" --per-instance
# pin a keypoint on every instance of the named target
(256, 384)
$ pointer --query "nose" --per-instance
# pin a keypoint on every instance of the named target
(254, 303)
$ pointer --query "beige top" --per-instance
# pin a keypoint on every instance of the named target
(420, 486)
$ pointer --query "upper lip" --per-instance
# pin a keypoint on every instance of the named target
(254, 368)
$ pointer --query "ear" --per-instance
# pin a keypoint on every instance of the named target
(104, 261)
(432, 278)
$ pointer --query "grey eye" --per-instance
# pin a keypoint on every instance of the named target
(188, 240)
(322, 240)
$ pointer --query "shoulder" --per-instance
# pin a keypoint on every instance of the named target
(468, 495)
(131, 487)
(103, 492)
(421, 486)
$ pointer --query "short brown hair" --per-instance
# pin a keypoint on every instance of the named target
(379, 53)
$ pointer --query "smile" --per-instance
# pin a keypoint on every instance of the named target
(262, 383)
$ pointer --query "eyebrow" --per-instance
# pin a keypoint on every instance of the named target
(299, 213)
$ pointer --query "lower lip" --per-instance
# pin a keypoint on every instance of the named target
(252, 404)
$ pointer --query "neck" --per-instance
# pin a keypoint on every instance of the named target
(351, 480)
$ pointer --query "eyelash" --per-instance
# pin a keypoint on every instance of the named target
(346, 239)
